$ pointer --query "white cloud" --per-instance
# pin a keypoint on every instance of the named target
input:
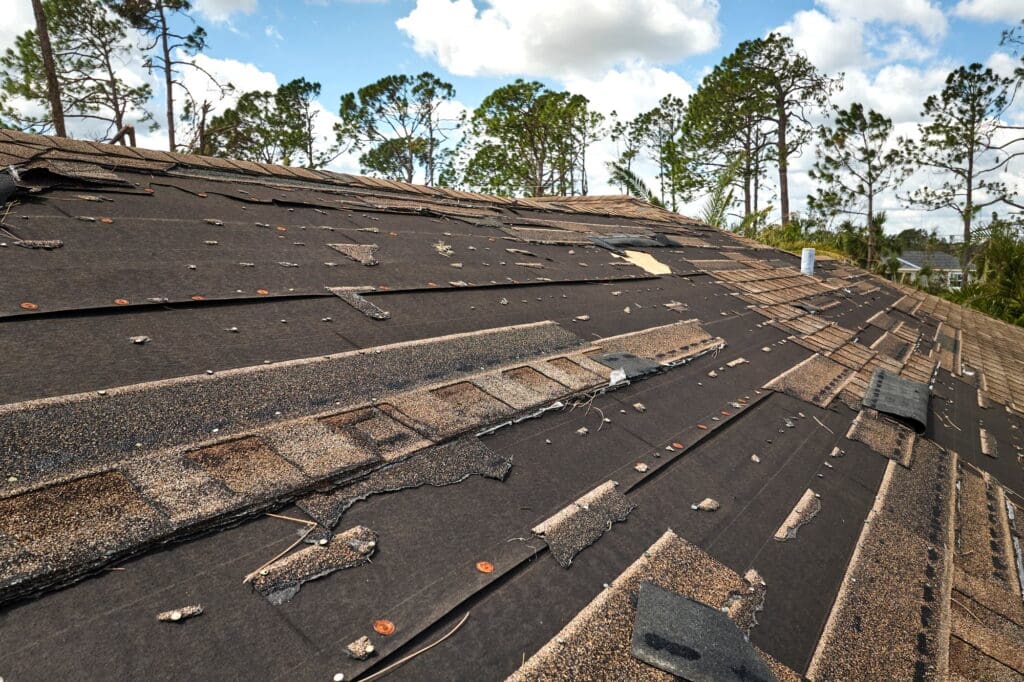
(220, 11)
(630, 90)
(244, 76)
(926, 16)
(898, 91)
(17, 19)
(558, 38)
(831, 44)
(989, 10)
(1002, 63)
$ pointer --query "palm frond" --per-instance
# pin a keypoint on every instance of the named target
(633, 184)
(717, 205)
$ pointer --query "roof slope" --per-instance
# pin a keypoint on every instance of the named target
(325, 407)
(937, 259)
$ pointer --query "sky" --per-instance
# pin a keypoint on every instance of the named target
(623, 55)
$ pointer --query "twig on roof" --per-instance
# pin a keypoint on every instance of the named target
(400, 661)
(252, 576)
(822, 425)
(305, 522)
(961, 605)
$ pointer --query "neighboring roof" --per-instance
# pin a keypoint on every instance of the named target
(939, 260)
(323, 407)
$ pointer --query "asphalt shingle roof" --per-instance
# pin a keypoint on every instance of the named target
(325, 407)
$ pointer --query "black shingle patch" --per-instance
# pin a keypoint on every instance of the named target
(692, 640)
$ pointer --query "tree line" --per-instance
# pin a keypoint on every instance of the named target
(734, 140)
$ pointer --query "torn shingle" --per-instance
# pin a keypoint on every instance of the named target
(440, 465)
(353, 296)
(364, 254)
(807, 507)
(282, 580)
(579, 525)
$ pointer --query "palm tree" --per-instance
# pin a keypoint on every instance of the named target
(633, 184)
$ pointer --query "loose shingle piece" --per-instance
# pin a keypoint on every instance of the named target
(577, 526)
(281, 580)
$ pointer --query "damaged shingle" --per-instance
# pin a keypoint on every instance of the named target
(437, 466)
(806, 509)
(352, 296)
(360, 253)
(579, 525)
(282, 580)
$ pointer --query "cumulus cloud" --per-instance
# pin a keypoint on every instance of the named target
(220, 11)
(831, 44)
(926, 16)
(630, 90)
(244, 76)
(896, 90)
(568, 37)
(989, 10)
(17, 19)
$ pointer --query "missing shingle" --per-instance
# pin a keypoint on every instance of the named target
(282, 580)
(579, 525)
(438, 466)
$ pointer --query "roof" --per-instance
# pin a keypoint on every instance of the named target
(939, 260)
(258, 418)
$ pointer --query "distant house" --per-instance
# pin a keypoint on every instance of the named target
(946, 269)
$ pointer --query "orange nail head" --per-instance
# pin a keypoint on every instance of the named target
(27, 305)
(121, 301)
(383, 627)
(197, 297)
(262, 292)
(485, 567)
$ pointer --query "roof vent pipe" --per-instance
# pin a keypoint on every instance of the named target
(807, 262)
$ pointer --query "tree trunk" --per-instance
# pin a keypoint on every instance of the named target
(871, 228)
(52, 86)
(783, 152)
(968, 214)
(168, 79)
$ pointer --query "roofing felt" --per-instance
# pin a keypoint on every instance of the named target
(318, 408)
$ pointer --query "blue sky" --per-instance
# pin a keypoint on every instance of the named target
(344, 45)
(623, 55)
